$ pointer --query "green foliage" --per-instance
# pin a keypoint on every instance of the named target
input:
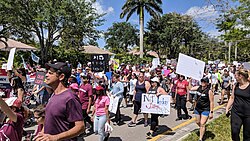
(217, 130)
(120, 37)
(68, 23)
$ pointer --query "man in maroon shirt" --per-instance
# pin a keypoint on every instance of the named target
(63, 113)
(86, 99)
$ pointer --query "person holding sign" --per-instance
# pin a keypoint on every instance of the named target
(182, 96)
(141, 87)
(157, 90)
(204, 105)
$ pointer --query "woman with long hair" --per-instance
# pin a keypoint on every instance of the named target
(204, 105)
(239, 103)
(101, 113)
(39, 115)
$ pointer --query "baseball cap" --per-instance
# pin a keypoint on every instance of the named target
(155, 79)
(205, 80)
(74, 86)
(99, 88)
(63, 67)
(13, 101)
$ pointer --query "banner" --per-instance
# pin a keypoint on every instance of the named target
(4, 80)
(24, 63)
(157, 105)
(40, 77)
(113, 105)
(34, 57)
(246, 65)
(190, 67)
(11, 58)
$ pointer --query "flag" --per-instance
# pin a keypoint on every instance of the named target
(24, 63)
(34, 57)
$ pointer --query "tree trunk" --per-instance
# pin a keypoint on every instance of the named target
(141, 30)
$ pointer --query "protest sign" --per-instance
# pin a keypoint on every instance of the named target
(4, 66)
(168, 61)
(155, 62)
(113, 105)
(99, 62)
(190, 67)
(40, 77)
(11, 58)
(235, 63)
(4, 80)
(210, 62)
(155, 104)
(246, 65)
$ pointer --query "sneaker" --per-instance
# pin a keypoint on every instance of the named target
(145, 124)
(179, 118)
(149, 135)
(115, 123)
(131, 124)
(107, 137)
(187, 117)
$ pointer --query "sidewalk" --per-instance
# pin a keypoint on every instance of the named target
(182, 130)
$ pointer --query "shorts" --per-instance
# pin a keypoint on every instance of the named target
(137, 107)
(204, 113)
(226, 88)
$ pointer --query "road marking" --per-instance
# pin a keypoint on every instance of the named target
(180, 125)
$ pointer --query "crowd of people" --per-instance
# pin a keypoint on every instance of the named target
(74, 102)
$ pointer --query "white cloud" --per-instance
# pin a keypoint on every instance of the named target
(101, 9)
(203, 13)
(214, 33)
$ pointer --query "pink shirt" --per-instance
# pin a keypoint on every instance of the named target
(182, 87)
(100, 104)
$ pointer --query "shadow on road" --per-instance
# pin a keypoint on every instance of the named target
(114, 139)
(207, 135)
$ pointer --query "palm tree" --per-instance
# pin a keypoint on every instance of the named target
(153, 7)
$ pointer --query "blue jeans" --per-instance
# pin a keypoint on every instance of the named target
(99, 126)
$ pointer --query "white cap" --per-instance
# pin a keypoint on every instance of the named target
(155, 79)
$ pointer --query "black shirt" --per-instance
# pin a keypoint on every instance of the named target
(241, 103)
(203, 101)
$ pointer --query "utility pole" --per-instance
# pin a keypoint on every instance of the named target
(229, 51)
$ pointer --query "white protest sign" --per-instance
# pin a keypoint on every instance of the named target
(11, 58)
(246, 65)
(210, 62)
(4, 66)
(235, 63)
(157, 105)
(155, 62)
(168, 61)
(190, 67)
(113, 105)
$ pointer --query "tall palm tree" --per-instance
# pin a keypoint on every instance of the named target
(153, 7)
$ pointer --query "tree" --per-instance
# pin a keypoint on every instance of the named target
(173, 33)
(153, 7)
(120, 36)
(51, 23)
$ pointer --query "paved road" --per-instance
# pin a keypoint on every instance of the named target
(138, 133)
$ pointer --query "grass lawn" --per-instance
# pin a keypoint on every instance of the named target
(217, 130)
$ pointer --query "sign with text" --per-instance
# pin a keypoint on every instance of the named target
(113, 105)
(155, 104)
(155, 62)
(99, 62)
(40, 77)
(190, 67)
(4, 80)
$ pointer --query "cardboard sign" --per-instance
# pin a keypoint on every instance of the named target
(157, 105)
(40, 77)
(4, 80)
(113, 105)
(99, 62)
(190, 67)
(11, 58)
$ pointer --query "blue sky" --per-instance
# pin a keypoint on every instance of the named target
(203, 11)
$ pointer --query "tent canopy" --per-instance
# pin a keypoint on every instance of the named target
(94, 50)
(15, 44)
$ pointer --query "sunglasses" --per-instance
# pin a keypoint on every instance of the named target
(38, 117)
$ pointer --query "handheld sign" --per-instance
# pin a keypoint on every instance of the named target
(4, 80)
(190, 67)
(157, 105)
(99, 62)
(11, 58)
(40, 77)
(113, 105)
